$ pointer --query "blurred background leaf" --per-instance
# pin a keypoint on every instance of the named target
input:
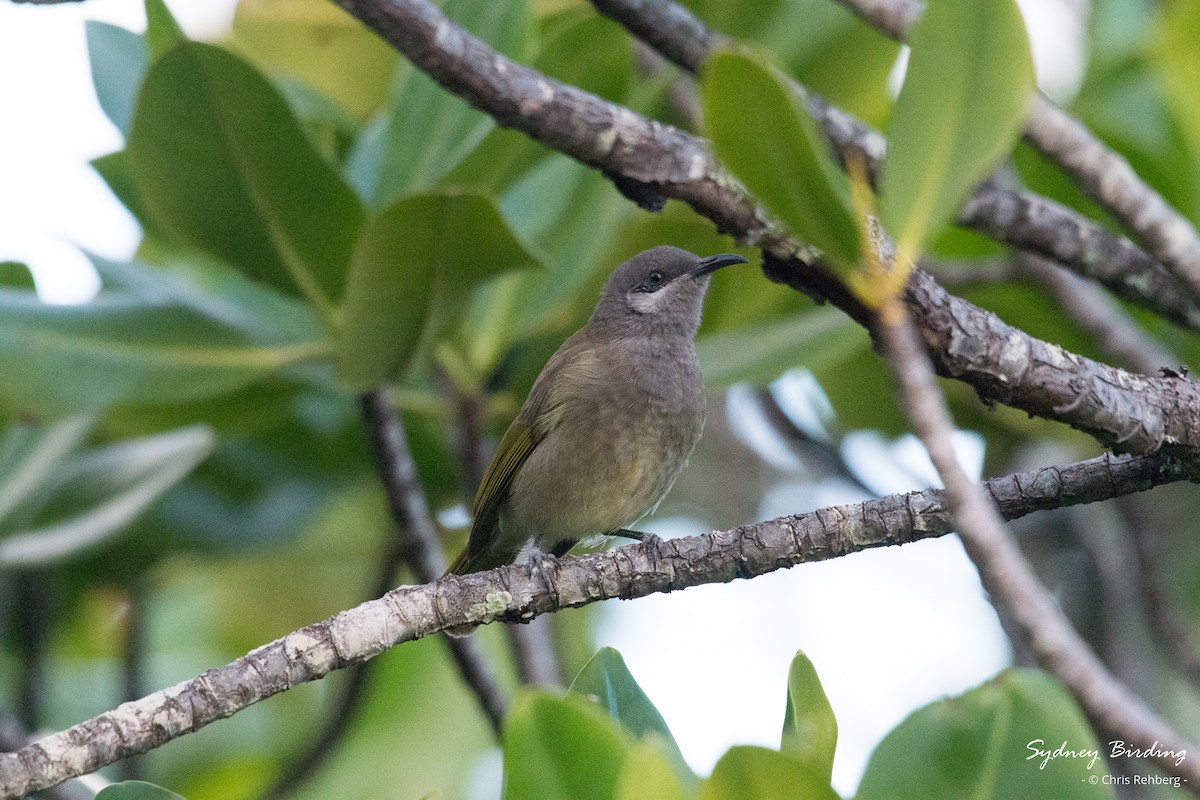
(972, 745)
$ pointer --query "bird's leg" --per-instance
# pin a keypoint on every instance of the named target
(540, 561)
(654, 540)
(637, 536)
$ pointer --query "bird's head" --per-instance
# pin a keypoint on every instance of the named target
(660, 288)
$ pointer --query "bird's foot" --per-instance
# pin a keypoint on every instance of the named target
(547, 565)
(652, 539)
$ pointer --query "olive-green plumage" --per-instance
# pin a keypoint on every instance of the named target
(610, 421)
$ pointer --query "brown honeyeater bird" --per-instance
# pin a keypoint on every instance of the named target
(609, 423)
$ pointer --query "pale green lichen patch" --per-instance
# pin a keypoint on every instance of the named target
(494, 604)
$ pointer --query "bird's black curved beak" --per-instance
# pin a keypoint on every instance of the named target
(709, 265)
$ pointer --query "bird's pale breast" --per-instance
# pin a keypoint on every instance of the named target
(618, 443)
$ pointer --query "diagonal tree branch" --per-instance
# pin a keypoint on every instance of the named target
(1007, 576)
(1022, 219)
(1102, 174)
(519, 592)
(1003, 364)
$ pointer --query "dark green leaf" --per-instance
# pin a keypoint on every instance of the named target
(982, 745)
(99, 493)
(561, 748)
(221, 162)
(136, 790)
(965, 96)
(424, 131)
(115, 170)
(326, 123)
(809, 727)
(119, 61)
(790, 170)
(16, 275)
(606, 681)
(148, 338)
(756, 773)
(162, 31)
(420, 253)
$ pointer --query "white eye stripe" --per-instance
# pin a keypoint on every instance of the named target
(645, 302)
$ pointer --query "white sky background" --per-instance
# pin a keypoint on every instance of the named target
(888, 630)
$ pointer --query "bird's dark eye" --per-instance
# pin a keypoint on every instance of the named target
(653, 282)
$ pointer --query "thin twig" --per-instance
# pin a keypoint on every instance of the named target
(1167, 624)
(1101, 173)
(827, 453)
(410, 511)
(414, 542)
(133, 659)
(1008, 578)
(522, 591)
(33, 599)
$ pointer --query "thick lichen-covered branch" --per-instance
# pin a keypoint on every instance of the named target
(520, 592)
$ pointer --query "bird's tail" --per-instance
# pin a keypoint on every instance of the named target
(462, 564)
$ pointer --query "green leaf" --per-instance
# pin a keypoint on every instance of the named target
(148, 338)
(115, 170)
(136, 790)
(425, 131)
(572, 215)
(119, 60)
(982, 745)
(647, 773)
(320, 45)
(809, 727)
(221, 163)
(759, 354)
(16, 275)
(415, 257)
(1178, 69)
(746, 772)
(561, 748)
(606, 681)
(761, 131)
(162, 31)
(101, 492)
(965, 96)
(30, 455)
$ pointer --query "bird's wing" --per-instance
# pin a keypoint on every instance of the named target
(538, 416)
